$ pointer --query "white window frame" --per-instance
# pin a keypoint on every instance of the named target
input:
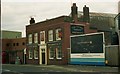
(35, 50)
(30, 38)
(42, 42)
(30, 54)
(50, 53)
(50, 35)
(57, 34)
(57, 53)
(35, 37)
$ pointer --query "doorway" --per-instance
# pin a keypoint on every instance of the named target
(43, 56)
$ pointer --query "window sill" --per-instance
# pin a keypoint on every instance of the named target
(51, 58)
(58, 39)
(50, 40)
(59, 58)
(29, 43)
(36, 42)
(30, 58)
(36, 58)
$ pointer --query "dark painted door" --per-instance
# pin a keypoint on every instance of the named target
(43, 58)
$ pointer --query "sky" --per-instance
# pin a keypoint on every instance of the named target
(16, 13)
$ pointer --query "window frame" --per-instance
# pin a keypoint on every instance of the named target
(36, 37)
(13, 44)
(8, 44)
(42, 42)
(36, 50)
(17, 44)
(30, 51)
(50, 53)
(50, 35)
(23, 43)
(30, 39)
(57, 52)
(57, 34)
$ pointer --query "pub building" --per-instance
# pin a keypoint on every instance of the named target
(48, 42)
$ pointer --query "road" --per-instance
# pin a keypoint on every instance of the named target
(23, 69)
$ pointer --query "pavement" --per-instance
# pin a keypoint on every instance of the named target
(23, 68)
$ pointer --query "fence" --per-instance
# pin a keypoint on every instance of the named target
(112, 55)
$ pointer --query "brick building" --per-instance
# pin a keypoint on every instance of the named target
(5, 34)
(48, 41)
(12, 47)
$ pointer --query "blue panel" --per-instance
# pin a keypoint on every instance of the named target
(88, 63)
(87, 59)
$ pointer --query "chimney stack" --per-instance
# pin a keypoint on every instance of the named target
(74, 11)
(32, 20)
(86, 17)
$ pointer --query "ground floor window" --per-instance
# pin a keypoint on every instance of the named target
(35, 53)
(30, 54)
(51, 53)
(58, 53)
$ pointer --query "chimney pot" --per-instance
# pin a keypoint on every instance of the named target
(32, 20)
(74, 11)
(86, 17)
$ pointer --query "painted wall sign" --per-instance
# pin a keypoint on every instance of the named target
(77, 29)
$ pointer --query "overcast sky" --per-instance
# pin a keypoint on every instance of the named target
(16, 13)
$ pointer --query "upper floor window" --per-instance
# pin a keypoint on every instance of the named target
(13, 44)
(8, 44)
(17, 44)
(30, 38)
(50, 35)
(23, 43)
(36, 38)
(42, 37)
(58, 34)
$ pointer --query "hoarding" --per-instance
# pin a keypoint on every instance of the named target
(88, 49)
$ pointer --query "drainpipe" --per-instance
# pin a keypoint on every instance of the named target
(68, 51)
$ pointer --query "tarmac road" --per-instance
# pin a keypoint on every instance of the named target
(23, 69)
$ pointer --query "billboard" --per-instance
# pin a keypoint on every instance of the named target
(87, 44)
(88, 49)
